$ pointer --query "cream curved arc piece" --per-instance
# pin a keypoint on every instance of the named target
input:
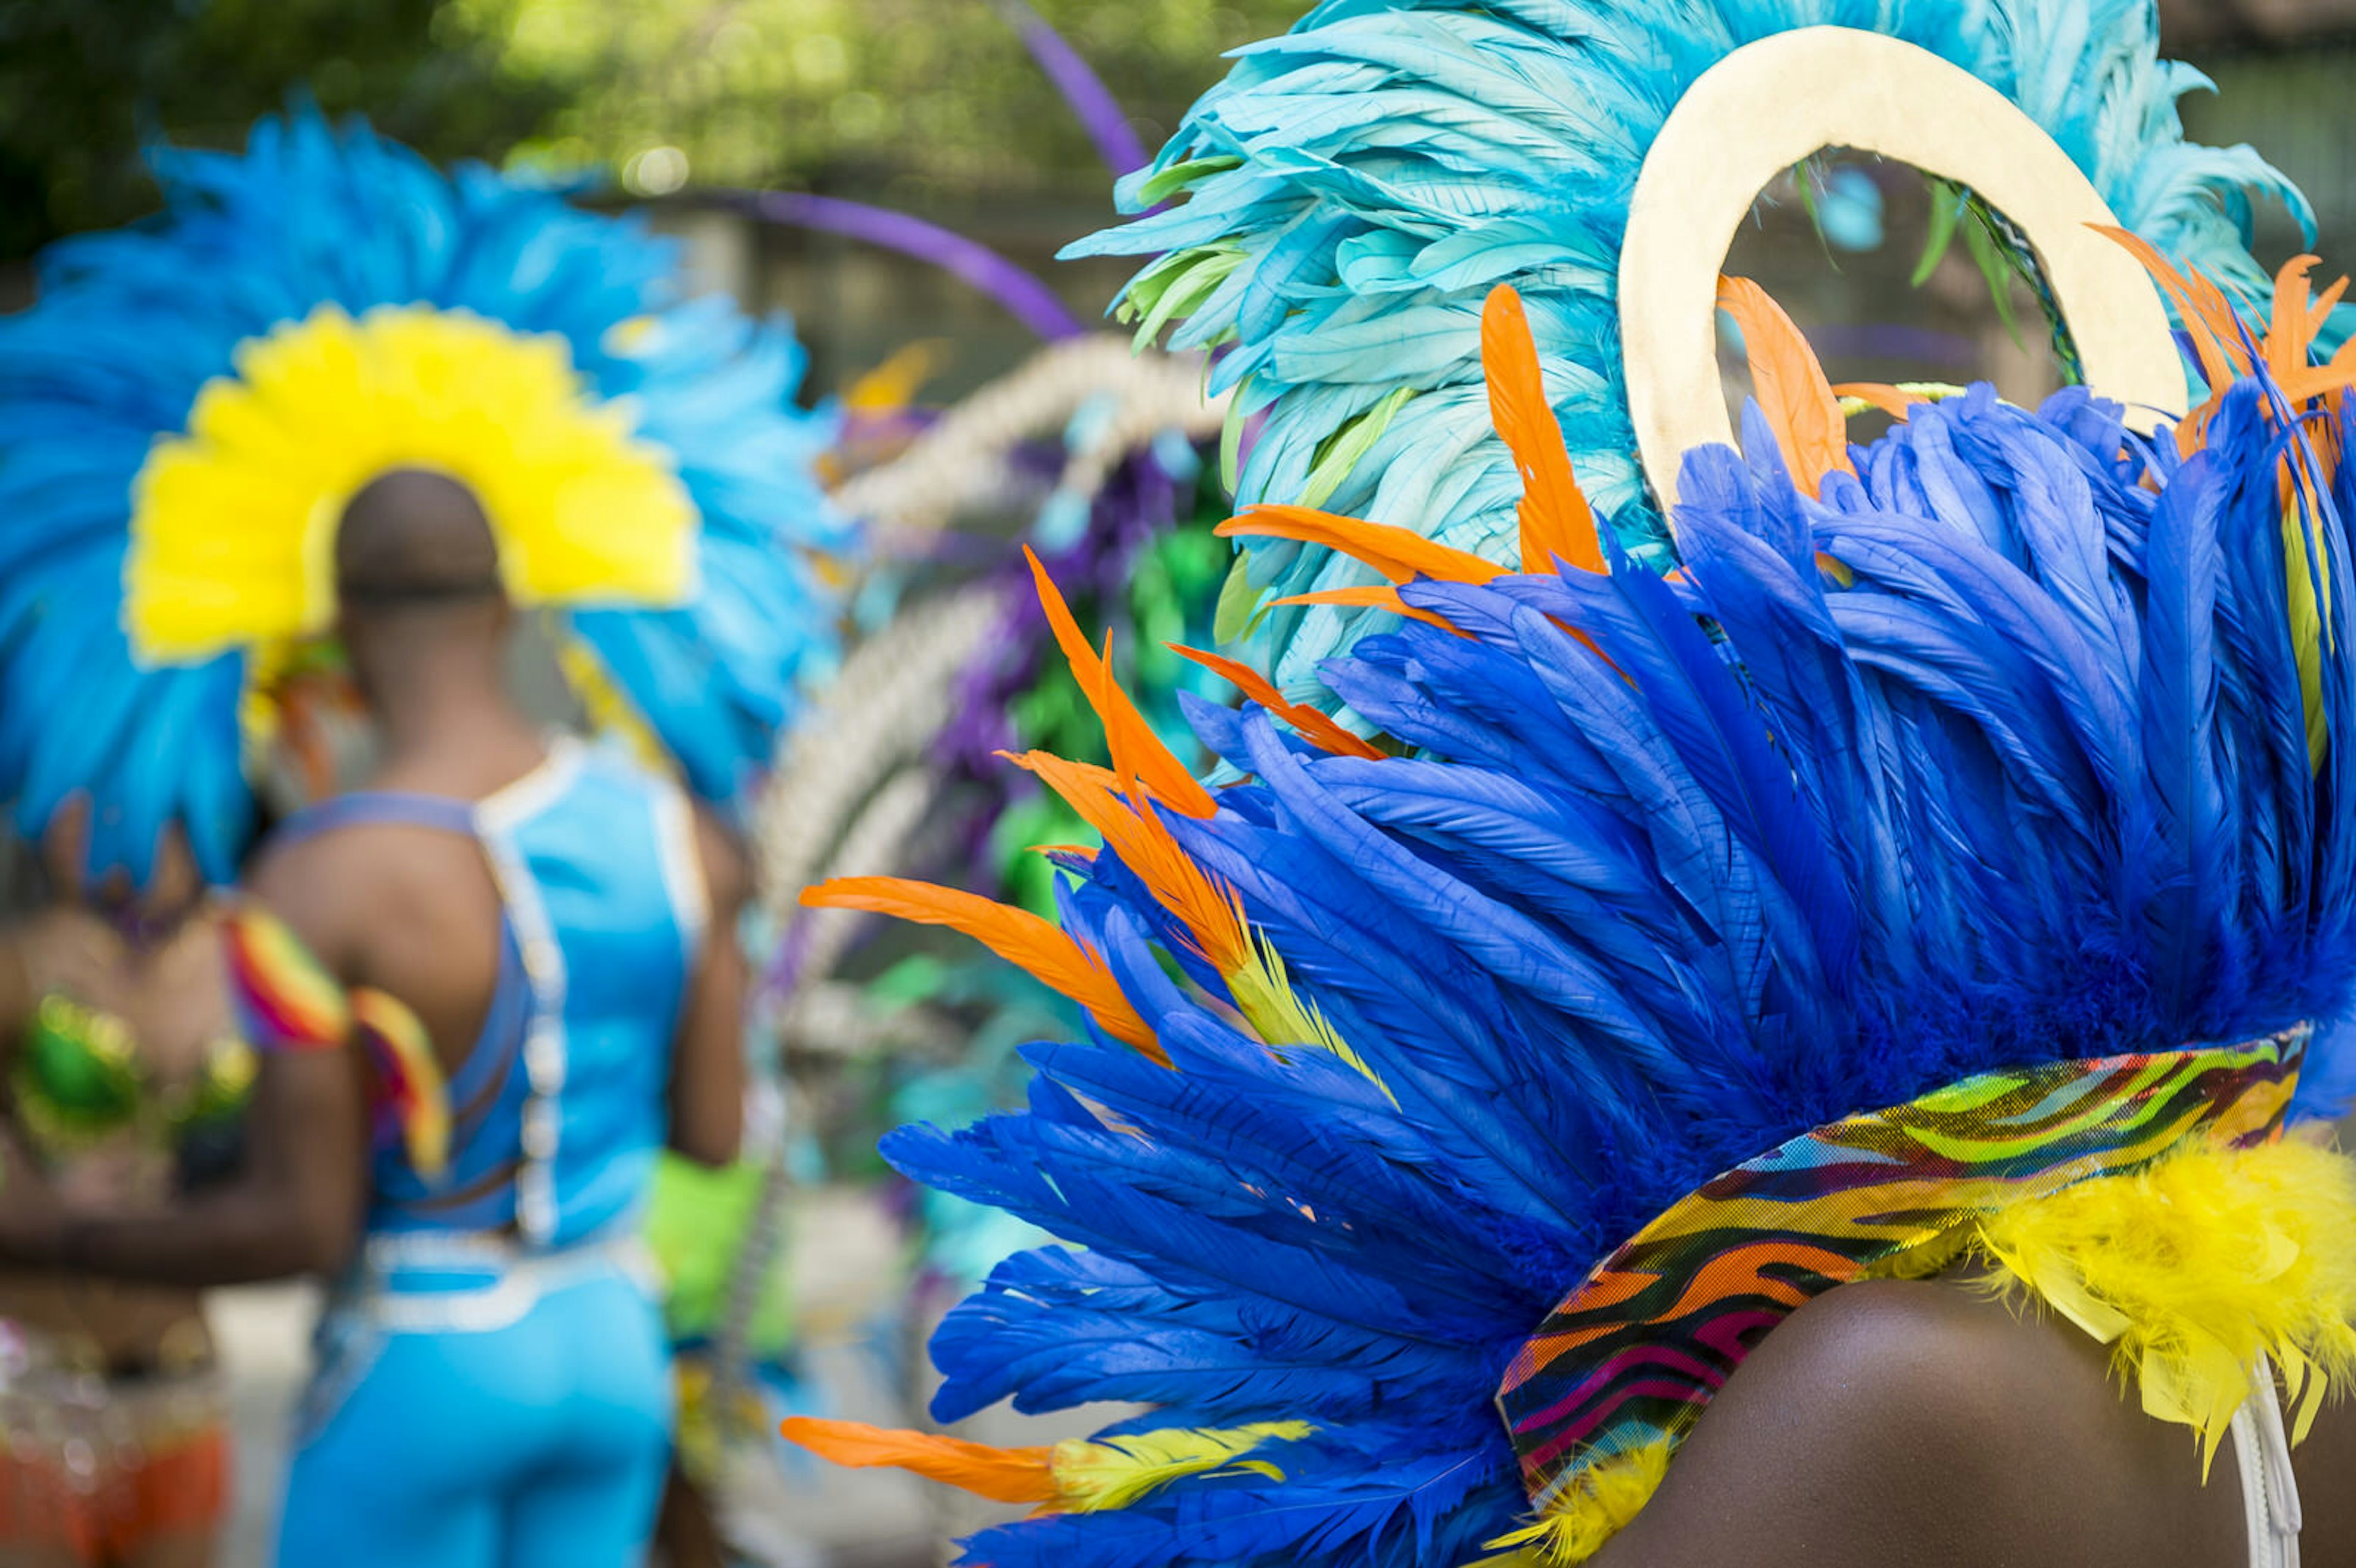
(1771, 104)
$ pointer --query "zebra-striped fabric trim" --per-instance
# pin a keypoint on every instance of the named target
(1632, 1356)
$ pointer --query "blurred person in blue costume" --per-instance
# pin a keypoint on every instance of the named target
(1784, 1050)
(1331, 215)
(488, 987)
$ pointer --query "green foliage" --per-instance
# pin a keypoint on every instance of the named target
(1995, 250)
(905, 100)
(908, 101)
(82, 84)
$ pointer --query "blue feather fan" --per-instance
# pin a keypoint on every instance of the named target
(2028, 778)
(132, 324)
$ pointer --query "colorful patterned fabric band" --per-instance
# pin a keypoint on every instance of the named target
(1632, 1357)
(285, 1000)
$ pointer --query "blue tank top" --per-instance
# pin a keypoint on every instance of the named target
(559, 1110)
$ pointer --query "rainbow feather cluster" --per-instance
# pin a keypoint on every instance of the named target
(131, 325)
(1355, 187)
(1999, 754)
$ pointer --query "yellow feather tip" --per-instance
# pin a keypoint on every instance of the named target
(2193, 1268)
(1263, 992)
(1602, 1499)
(1095, 1477)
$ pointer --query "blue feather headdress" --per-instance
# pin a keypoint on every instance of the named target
(155, 547)
(1355, 188)
(2012, 740)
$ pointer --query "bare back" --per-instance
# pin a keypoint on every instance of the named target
(411, 911)
(407, 909)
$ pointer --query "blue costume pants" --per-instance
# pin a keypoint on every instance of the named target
(541, 1445)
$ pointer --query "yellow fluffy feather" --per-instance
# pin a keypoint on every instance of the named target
(2196, 1267)
(1602, 1499)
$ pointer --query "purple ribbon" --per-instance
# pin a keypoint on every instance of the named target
(1092, 103)
(1024, 296)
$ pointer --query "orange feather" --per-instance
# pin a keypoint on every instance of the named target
(2319, 310)
(1789, 383)
(2289, 333)
(1557, 522)
(1400, 554)
(1319, 730)
(2209, 321)
(1001, 1475)
(2322, 380)
(1137, 834)
(1373, 596)
(1137, 751)
(2207, 317)
(1057, 959)
(2299, 315)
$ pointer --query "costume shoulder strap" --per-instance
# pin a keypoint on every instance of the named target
(372, 807)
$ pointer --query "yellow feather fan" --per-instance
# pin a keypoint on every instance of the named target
(232, 526)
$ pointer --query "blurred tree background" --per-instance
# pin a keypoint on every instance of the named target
(914, 102)
(900, 100)
(83, 84)
(932, 106)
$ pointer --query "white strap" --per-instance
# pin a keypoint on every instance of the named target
(521, 1278)
(682, 869)
(2270, 1504)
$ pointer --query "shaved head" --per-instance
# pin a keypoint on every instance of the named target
(420, 607)
(415, 536)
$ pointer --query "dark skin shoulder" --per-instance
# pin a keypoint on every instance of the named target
(1927, 1424)
(409, 911)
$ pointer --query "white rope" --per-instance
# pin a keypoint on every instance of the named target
(891, 699)
(962, 457)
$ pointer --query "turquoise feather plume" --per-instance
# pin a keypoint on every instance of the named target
(1355, 188)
